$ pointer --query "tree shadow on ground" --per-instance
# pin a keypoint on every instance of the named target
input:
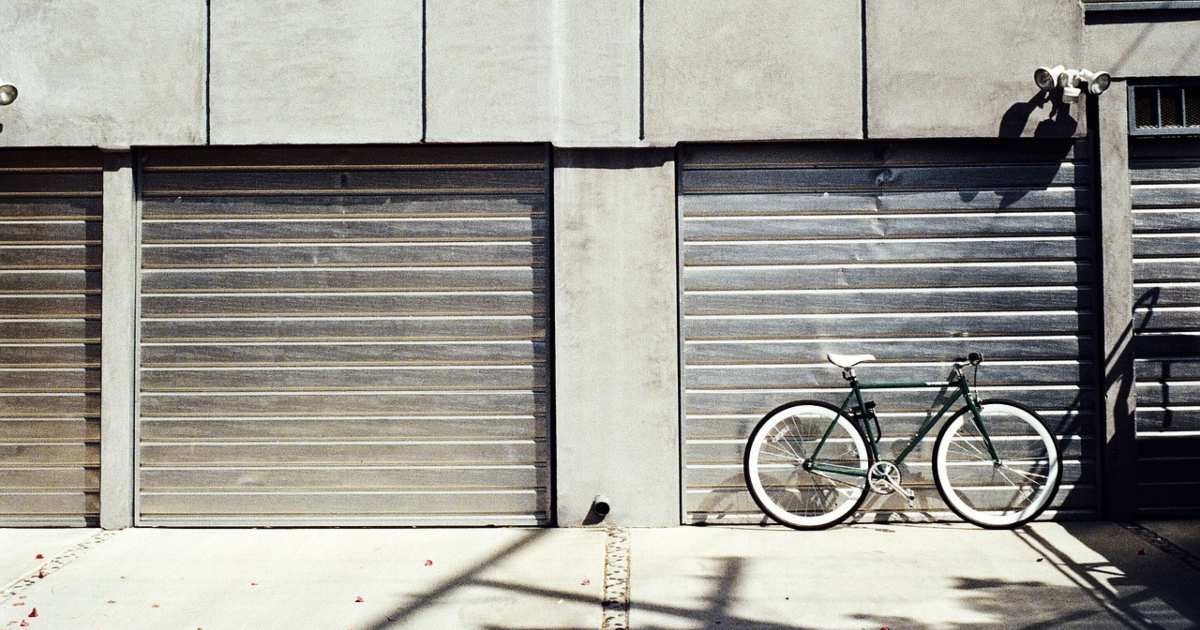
(1128, 585)
(1113, 579)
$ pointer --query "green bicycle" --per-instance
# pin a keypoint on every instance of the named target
(809, 465)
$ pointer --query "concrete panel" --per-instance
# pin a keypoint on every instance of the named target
(103, 72)
(1150, 49)
(616, 336)
(530, 70)
(296, 71)
(117, 354)
(965, 67)
(596, 73)
(488, 70)
(752, 69)
(1116, 273)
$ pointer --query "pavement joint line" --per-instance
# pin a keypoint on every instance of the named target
(49, 567)
(615, 603)
(1164, 545)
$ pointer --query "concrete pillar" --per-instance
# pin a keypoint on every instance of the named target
(1115, 260)
(117, 364)
(616, 336)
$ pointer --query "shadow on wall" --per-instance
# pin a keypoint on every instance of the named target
(1059, 123)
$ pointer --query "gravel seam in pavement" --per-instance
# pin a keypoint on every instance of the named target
(1163, 544)
(59, 561)
(615, 604)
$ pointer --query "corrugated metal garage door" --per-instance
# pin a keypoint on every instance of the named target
(344, 336)
(915, 252)
(50, 222)
(1166, 270)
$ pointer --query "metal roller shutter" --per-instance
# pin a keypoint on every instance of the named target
(916, 252)
(344, 336)
(1166, 274)
(50, 222)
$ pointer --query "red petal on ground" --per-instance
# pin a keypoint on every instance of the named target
(41, 574)
(24, 624)
(585, 582)
(1141, 552)
(358, 600)
(33, 613)
(39, 557)
(429, 563)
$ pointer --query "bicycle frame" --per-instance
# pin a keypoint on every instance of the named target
(961, 391)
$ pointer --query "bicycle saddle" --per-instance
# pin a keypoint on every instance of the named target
(849, 360)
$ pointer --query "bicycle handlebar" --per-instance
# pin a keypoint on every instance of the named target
(973, 358)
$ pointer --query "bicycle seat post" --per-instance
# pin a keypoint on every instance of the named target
(848, 374)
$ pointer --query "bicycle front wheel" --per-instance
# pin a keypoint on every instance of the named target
(777, 464)
(1006, 491)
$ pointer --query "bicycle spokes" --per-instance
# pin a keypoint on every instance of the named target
(1001, 490)
(781, 468)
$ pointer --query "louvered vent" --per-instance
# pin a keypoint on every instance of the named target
(1165, 109)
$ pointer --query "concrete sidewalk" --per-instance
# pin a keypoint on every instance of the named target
(860, 576)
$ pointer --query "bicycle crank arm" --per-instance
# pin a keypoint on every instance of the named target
(908, 495)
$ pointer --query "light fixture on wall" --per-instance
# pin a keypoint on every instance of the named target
(8, 93)
(1047, 79)
(1097, 82)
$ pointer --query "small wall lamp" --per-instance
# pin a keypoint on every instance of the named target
(8, 93)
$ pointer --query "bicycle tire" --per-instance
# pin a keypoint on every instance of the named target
(962, 476)
(757, 476)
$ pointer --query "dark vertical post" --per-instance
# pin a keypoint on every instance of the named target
(1108, 128)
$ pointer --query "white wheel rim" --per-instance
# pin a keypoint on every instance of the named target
(1005, 517)
(781, 513)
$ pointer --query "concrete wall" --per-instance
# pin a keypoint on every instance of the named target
(103, 72)
(956, 68)
(616, 336)
(1144, 49)
(752, 69)
(529, 70)
(294, 71)
(578, 73)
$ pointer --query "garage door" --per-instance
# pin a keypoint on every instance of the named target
(50, 222)
(915, 252)
(344, 336)
(1166, 250)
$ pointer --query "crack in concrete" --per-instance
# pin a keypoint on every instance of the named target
(615, 604)
(16, 587)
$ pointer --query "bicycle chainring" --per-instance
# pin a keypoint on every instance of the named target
(884, 477)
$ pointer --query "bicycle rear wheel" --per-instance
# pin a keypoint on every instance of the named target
(997, 493)
(778, 479)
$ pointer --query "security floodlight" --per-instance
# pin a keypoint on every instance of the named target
(1097, 82)
(1070, 81)
(1049, 78)
(8, 93)
(1071, 94)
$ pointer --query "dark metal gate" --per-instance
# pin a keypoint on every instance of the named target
(1165, 176)
(50, 293)
(344, 336)
(917, 252)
